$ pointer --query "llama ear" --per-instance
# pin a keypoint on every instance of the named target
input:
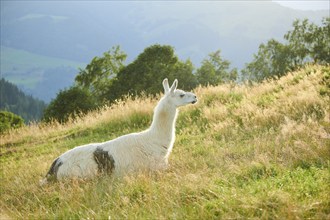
(174, 85)
(166, 86)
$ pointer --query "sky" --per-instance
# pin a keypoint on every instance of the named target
(305, 5)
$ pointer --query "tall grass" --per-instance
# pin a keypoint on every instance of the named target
(244, 151)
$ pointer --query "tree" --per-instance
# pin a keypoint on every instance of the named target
(97, 75)
(310, 42)
(321, 48)
(215, 70)
(183, 72)
(9, 120)
(272, 59)
(149, 69)
(69, 103)
(106, 79)
(307, 42)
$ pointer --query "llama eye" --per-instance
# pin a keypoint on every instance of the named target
(181, 95)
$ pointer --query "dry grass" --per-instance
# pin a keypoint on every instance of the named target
(120, 110)
(244, 151)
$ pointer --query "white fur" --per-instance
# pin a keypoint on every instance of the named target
(147, 150)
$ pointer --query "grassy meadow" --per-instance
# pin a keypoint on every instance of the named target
(258, 151)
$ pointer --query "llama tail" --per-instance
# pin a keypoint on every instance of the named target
(52, 173)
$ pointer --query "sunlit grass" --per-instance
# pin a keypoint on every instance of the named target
(243, 151)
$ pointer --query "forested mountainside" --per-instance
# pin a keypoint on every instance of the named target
(12, 99)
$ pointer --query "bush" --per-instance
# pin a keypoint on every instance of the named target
(9, 120)
(69, 104)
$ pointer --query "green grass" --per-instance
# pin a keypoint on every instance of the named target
(259, 152)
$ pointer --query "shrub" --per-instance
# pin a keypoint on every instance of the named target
(9, 120)
(69, 104)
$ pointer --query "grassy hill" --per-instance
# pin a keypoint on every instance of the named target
(244, 151)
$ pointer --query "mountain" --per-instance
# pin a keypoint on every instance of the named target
(12, 99)
(80, 30)
(241, 152)
(38, 75)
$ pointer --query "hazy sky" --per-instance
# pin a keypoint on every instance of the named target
(305, 5)
(295, 4)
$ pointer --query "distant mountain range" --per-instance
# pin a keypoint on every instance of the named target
(39, 75)
(43, 43)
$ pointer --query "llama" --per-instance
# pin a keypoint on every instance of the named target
(147, 150)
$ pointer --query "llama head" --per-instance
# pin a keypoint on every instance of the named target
(178, 97)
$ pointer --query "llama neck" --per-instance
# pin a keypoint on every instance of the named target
(163, 124)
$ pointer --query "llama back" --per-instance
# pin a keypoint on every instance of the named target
(75, 163)
(78, 162)
(135, 152)
(117, 157)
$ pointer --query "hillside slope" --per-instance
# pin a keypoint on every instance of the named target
(243, 151)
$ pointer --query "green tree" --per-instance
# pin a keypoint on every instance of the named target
(183, 72)
(321, 47)
(215, 70)
(149, 69)
(307, 42)
(98, 74)
(9, 120)
(272, 59)
(69, 103)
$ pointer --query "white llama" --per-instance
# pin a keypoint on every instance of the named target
(147, 150)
